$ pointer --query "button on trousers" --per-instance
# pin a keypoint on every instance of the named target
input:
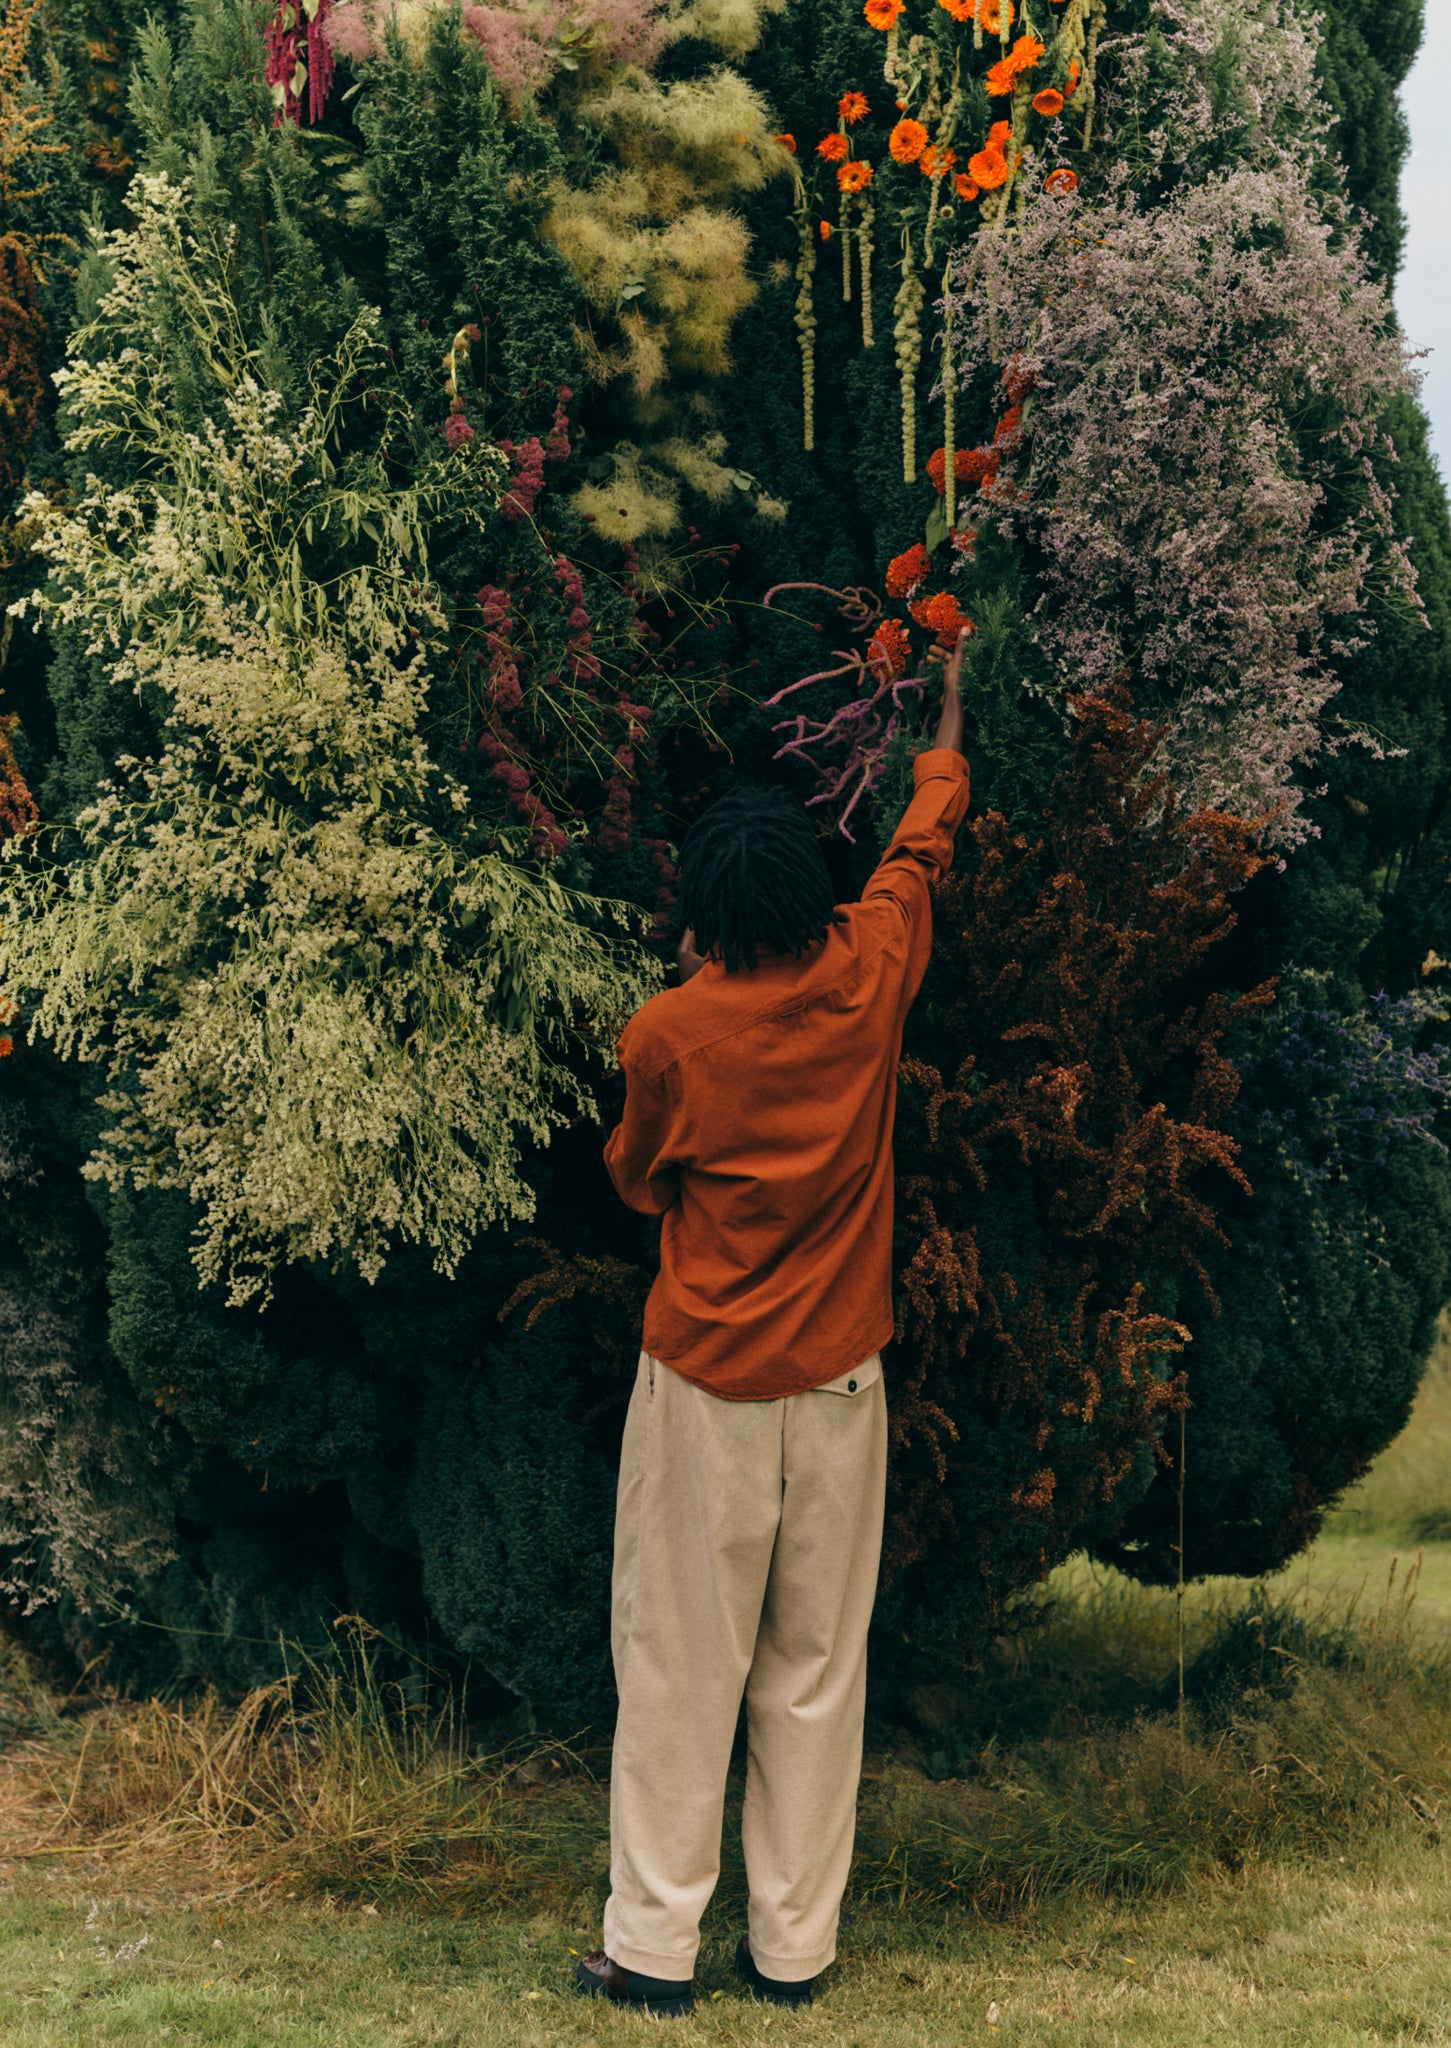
(747, 1541)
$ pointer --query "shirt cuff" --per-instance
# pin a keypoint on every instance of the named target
(939, 761)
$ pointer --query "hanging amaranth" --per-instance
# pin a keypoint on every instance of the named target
(806, 316)
(908, 332)
(864, 250)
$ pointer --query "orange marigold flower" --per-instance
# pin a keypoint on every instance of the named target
(1061, 181)
(852, 107)
(991, 19)
(906, 571)
(854, 177)
(882, 13)
(1048, 102)
(832, 149)
(998, 134)
(907, 141)
(788, 143)
(1001, 78)
(963, 186)
(942, 615)
(889, 648)
(825, 230)
(936, 163)
(960, 10)
(988, 169)
(1071, 84)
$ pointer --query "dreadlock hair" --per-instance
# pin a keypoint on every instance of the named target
(752, 875)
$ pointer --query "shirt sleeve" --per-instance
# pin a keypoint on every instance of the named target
(637, 1155)
(921, 849)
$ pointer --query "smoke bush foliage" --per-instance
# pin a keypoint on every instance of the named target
(1197, 467)
(328, 1006)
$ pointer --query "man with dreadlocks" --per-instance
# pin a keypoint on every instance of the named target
(759, 1102)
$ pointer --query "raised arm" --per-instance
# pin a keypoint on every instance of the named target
(921, 849)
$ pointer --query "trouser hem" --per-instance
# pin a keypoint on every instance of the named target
(676, 1969)
(791, 1969)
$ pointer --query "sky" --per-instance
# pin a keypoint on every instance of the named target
(1423, 290)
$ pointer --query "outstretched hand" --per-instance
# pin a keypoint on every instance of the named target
(949, 725)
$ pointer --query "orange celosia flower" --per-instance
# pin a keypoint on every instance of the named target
(942, 615)
(1061, 181)
(788, 143)
(832, 149)
(988, 169)
(852, 107)
(906, 571)
(825, 227)
(991, 19)
(907, 141)
(854, 177)
(936, 163)
(960, 10)
(1048, 102)
(882, 13)
(965, 188)
(889, 648)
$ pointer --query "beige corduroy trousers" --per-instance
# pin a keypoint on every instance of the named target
(747, 1540)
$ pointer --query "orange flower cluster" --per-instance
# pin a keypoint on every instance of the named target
(1061, 181)
(882, 13)
(988, 167)
(989, 15)
(852, 107)
(966, 467)
(965, 187)
(960, 10)
(832, 149)
(1003, 76)
(1048, 102)
(854, 177)
(907, 141)
(936, 163)
(907, 570)
(889, 649)
(943, 616)
(788, 143)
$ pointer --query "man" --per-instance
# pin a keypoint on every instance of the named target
(759, 1102)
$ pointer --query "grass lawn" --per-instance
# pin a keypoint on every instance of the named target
(1049, 1852)
(1326, 1953)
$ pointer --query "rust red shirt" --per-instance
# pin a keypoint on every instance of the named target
(758, 1125)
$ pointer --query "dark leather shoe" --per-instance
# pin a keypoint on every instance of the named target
(775, 1990)
(667, 1997)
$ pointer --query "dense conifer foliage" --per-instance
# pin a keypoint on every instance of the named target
(445, 446)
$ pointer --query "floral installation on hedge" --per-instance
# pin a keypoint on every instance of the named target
(485, 431)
